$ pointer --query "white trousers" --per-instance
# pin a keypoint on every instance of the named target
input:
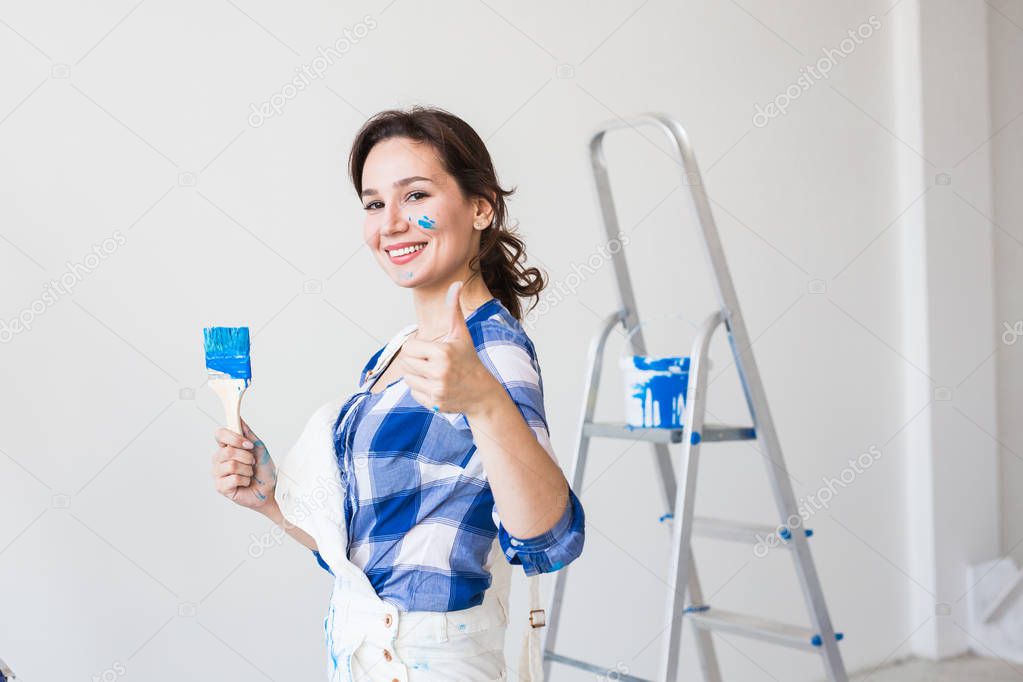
(369, 639)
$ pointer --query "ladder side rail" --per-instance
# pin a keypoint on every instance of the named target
(757, 400)
(577, 473)
(626, 295)
(685, 501)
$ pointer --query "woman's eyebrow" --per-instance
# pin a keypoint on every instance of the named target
(398, 183)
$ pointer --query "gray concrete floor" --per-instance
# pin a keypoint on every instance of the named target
(965, 668)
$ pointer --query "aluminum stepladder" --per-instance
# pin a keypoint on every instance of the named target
(820, 637)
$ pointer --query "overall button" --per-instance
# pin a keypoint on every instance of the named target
(387, 655)
(388, 620)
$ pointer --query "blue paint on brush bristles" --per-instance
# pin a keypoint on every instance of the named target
(227, 352)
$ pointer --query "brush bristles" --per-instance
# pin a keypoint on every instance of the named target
(227, 352)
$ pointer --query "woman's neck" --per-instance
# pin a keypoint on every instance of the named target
(432, 318)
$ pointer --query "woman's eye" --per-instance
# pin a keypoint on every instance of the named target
(415, 194)
(372, 205)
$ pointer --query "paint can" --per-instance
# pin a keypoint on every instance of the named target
(655, 387)
(655, 390)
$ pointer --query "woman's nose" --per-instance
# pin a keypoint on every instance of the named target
(395, 223)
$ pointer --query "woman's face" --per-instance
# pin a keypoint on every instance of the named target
(412, 201)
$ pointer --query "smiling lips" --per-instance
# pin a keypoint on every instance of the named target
(404, 252)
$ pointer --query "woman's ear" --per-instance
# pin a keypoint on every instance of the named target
(484, 213)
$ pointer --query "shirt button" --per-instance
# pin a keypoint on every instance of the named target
(388, 620)
(387, 655)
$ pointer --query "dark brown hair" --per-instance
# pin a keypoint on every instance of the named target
(465, 157)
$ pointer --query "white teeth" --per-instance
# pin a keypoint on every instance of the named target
(407, 250)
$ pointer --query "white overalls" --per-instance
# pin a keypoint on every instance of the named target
(369, 639)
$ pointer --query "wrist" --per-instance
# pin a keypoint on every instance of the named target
(271, 510)
(491, 394)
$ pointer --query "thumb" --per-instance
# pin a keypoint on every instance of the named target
(458, 326)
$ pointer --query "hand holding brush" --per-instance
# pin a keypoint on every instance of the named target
(242, 467)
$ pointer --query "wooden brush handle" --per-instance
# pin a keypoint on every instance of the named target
(230, 392)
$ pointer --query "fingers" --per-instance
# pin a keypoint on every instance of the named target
(227, 485)
(232, 466)
(227, 453)
(417, 348)
(418, 367)
(227, 437)
(419, 384)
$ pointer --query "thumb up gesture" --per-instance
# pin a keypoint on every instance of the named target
(446, 375)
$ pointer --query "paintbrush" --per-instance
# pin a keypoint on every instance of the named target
(230, 372)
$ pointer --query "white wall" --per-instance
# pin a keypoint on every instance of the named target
(133, 120)
(1006, 55)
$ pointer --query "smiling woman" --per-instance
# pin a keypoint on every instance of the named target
(397, 487)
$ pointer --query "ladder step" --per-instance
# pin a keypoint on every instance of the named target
(722, 529)
(711, 432)
(608, 673)
(756, 628)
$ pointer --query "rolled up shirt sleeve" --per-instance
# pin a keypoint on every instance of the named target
(548, 551)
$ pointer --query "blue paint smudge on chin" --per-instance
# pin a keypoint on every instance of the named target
(427, 223)
(408, 275)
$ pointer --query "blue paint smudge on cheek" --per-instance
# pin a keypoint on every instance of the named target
(427, 223)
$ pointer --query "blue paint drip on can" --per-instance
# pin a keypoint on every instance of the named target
(655, 391)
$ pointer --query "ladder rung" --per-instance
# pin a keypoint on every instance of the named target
(710, 433)
(733, 530)
(756, 628)
(610, 673)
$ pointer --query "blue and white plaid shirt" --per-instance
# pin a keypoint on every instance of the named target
(420, 512)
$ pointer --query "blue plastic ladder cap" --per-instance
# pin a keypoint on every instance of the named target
(669, 515)
(785, 534)
(816, 640)
(694, 438)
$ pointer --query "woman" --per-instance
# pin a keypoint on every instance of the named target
(397, 488)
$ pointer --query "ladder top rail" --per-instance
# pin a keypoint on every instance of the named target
(672, 129)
